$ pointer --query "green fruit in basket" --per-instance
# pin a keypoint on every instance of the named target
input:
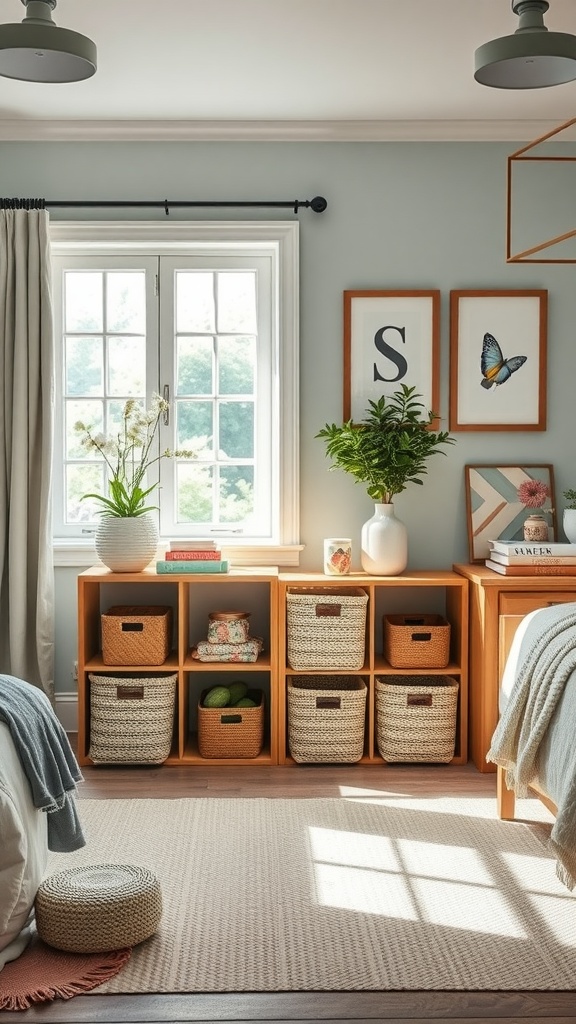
(217, 697)
(237, 691)
(245, 702)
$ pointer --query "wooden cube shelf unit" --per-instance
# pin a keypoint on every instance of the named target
(192, 597)
(262, 592)
(410, 593)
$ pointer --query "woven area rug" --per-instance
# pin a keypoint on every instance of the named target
(366, 893)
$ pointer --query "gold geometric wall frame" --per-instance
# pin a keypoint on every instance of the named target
(527, 155)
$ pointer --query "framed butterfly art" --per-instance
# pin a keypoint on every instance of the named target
(498, 360)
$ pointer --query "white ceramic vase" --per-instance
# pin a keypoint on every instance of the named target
(569, 524)
(384, 543)
(126, 544)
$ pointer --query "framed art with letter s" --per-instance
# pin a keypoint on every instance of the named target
(390, 338)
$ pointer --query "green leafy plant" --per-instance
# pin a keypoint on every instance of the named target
(570, 496)
(128, 455)
(389, 449)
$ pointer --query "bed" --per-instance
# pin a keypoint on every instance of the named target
(23, 852)
(38, 776)
(534, 744)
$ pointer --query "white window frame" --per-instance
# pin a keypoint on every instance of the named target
(281, 240)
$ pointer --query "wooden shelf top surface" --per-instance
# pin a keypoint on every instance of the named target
(101, 574)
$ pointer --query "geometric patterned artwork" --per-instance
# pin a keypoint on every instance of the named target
(493, 509)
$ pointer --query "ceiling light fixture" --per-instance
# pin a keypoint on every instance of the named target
(37, 50)
(532, 58)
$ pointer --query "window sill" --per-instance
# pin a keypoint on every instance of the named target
(82, 554)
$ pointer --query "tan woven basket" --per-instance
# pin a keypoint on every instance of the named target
(230, 732)
(416, 718)
(131, 718)
(416, 641)
(326, 628)
(136, 634)
(326, 717)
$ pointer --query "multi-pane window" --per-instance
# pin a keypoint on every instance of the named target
(206, 330)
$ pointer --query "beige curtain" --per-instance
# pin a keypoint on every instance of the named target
(26, 437)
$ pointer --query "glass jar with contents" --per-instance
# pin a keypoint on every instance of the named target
(228, 627)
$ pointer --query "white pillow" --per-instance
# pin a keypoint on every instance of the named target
(23, 852)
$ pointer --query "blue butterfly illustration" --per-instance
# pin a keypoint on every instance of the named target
(494, 367)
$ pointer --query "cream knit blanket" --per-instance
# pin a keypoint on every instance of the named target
(546, 661)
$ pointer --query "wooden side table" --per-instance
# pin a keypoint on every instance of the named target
(497, 605)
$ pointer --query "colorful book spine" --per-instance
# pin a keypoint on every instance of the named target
(192, 545)
(206, 565)
(531, 570)
(518, 547)
(497, 556)
(208, 555)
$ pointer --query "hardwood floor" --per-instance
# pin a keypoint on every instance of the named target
(329, 1007)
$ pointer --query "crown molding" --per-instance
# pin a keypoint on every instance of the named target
(45, 130)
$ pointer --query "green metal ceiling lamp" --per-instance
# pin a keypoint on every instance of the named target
(37, 50)
(531, 58)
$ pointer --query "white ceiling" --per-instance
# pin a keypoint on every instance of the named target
(301, 69)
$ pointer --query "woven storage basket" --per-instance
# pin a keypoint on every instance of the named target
(326, 716)
(136, 634)
(416, 720)
(416, 641)
(131, 718)
(326, 628)
(230, 732)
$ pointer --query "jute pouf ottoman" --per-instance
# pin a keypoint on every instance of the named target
(98, 908)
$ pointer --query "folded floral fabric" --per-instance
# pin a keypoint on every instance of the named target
(248, 651)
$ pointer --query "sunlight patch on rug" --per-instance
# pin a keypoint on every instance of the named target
(265, 895)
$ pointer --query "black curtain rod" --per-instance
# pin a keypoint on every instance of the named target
(317, 205)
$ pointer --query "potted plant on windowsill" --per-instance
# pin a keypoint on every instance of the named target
(385, 452)
(127, 535)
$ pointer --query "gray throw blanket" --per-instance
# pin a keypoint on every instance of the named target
(47, 759)
(546, 662)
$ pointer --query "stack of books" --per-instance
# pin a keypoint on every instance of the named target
(526, 558)
(200, 556)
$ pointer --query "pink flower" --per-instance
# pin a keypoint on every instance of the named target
(533, 493)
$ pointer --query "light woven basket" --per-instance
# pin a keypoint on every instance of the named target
(416, 641)
(131, 718)
(136, 634)
(230, 732)
(326, 718)
(326, 628)
(416, 720)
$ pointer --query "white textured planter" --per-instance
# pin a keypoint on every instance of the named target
(126, 545)
(384, 543)
(569, 524)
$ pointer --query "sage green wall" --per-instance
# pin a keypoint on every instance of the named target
(400, 215)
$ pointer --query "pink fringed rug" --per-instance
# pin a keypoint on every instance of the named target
(42, 973)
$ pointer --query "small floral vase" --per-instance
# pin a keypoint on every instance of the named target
(535, 528)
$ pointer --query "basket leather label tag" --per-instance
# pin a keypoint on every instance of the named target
(132, 627)
(421, 636)
(130, 692)
(328, 609)
(419, 700)
(327, 702)
(227, 719)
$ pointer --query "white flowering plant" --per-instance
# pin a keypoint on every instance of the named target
(128, 456)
